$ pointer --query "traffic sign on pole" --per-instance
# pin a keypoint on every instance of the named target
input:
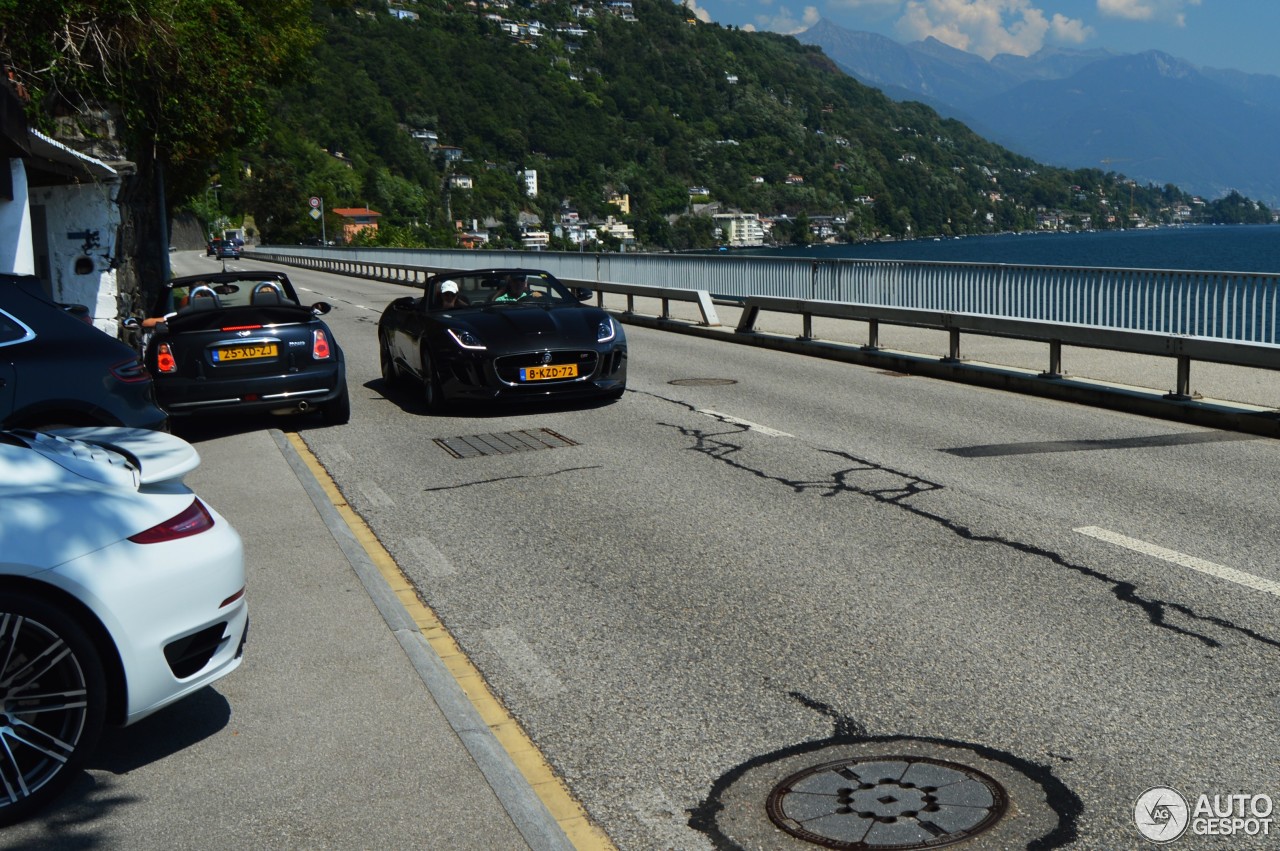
(314, 202)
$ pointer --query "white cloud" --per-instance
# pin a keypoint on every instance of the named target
(1066, 30)
(699, 13)
(1170, 11)
(785, 21)
(989, 27)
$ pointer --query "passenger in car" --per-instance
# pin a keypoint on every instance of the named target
(517, 290)
(180, 296)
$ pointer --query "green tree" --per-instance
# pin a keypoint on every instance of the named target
(191, 78)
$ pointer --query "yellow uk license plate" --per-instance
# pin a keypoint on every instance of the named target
(554, 370)
(226, 354)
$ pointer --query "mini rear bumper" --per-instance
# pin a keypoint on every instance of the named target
(301, 392)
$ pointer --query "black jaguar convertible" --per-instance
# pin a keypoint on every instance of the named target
(502, 335)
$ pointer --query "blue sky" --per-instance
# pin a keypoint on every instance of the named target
(1239, 34)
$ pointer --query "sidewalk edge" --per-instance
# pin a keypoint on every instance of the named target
(527, 811)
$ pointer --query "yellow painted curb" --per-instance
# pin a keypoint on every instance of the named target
(549, 788)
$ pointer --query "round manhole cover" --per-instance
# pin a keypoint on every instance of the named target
(886, 802)
(702, 382)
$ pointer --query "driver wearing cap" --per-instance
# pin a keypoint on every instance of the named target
(449, 297)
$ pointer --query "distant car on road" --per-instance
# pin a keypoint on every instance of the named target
(239, 342)
(514, 334)
(57, 369)
(211, 250)
(228, 250)
(120, 592)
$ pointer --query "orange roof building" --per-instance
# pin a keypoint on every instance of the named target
(356, 219)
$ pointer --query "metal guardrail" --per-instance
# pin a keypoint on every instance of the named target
(1242, 306)
(1184, 349)
(922, 295)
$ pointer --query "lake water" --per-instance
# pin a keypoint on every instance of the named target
(1218, 248)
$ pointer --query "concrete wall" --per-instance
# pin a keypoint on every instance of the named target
(82, 226)
(17, 256)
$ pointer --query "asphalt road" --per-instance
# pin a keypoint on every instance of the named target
(756, 563)
(721, 575)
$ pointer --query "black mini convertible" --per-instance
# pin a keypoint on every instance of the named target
(502, 335)
(239, 342)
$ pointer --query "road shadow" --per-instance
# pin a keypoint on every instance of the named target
(67, 824)
(195, 430)
(407, 396)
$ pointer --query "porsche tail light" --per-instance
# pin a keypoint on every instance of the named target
(193, 521)
(320, 345)
(165, 361)
(130, 371)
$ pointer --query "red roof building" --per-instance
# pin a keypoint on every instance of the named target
(356, 219)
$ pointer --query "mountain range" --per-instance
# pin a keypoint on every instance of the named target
(1153, 117)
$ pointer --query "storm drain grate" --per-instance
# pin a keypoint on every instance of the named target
(886, 802)
(503, 443)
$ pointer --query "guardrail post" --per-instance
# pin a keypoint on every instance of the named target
(807, 322)
(953, 354)
(708, 308)
(873, 335)
(747, 321)
(666, 308)
(1183, 392)
(1055, 360)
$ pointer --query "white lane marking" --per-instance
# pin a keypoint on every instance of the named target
(523, 661)
(1230, 574)
(374, 495)
(430, 558)
(732, 420)
(340, 453)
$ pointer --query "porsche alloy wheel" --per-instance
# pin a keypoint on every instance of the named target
(52, 702)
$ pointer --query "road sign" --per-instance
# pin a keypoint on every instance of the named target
(314, 202)
(315, 214)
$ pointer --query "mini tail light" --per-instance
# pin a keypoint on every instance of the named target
(193, 521)
(130, 371)
(320, 345)
(165, 361)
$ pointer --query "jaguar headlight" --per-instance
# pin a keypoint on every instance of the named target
(606, 330)
(465, 339)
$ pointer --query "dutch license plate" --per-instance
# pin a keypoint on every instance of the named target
(227, 354)
(555, 370)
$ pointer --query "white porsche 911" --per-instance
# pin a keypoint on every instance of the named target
(120, 593)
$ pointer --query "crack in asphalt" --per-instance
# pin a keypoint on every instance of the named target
(511, 478)
(714, 445)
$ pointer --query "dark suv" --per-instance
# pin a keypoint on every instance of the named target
(57, 369)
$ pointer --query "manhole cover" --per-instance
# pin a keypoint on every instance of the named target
(503, 443)
(884, 802)
(702, 382)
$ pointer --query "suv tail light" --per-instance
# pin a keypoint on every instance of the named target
(193, 521)
(130, 371)
(320, 345)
